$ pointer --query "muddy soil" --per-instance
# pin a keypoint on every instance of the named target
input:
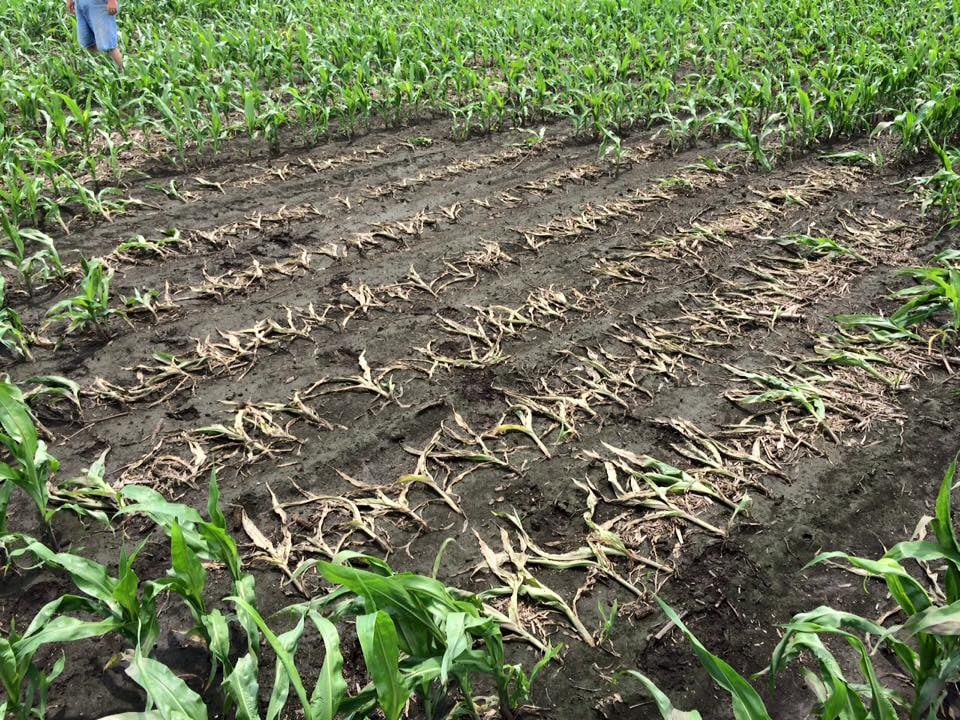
(360, 313)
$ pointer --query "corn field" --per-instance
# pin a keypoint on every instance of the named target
(480, 360)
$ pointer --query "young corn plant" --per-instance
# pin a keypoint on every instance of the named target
(942, 189)
(124, 603)
(922, 644)
(42, 265)
(28, 465)
(92, 306)
(25, 684)
(934, 299)
(418, 638)
(13, 337)
(747, 140)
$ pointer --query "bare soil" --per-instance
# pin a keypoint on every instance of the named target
(475, 278)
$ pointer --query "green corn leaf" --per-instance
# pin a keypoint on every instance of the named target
(838, 698)
(6, 492)
(331, 689)
(242, 686)
(380, 593)
(283, 656)
(66, 629)
(219, 633)
(666, 708)
(381, 654)
(281, 682)
(187, 566)
(747, 704)
(909, 594)
(924, 551)
(57, 385)
(213, 502)
(935, 620)
(943, 529)
(169, 694)
(9, 672)
(90, 577)
(457, 643)
(145, 500)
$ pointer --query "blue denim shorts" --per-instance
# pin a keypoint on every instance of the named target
(95, 26)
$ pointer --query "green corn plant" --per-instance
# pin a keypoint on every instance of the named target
(746, 139)
(142, 301)
(611, 147)
(937, 291)
(209, 539)
(194, 541)
(123, 602)
(942, 189)
(418, 638)
(43, 264)
(13, 337)
(92, 306)
(84, 119)
(25, 684)
(56, 387)
(88, 495)
(28, 464)
(936, 294)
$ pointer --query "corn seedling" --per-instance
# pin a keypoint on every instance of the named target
(418, 638)
(24, 683)
(804, 393)
(811, 245)
(942, 189)
(43, 264)
(149, 301)
(13, 337)
(138, 247)
(936, 295)
(92, 306)
(28, 465)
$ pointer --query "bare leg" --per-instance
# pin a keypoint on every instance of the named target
(117, 58)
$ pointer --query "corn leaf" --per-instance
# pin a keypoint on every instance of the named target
(666, 708)
(747, 704)
(381, 654)
(331, 688)
(171, 696)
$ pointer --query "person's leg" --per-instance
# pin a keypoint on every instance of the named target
(85, 35)
(105, 30)
(117, 58)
